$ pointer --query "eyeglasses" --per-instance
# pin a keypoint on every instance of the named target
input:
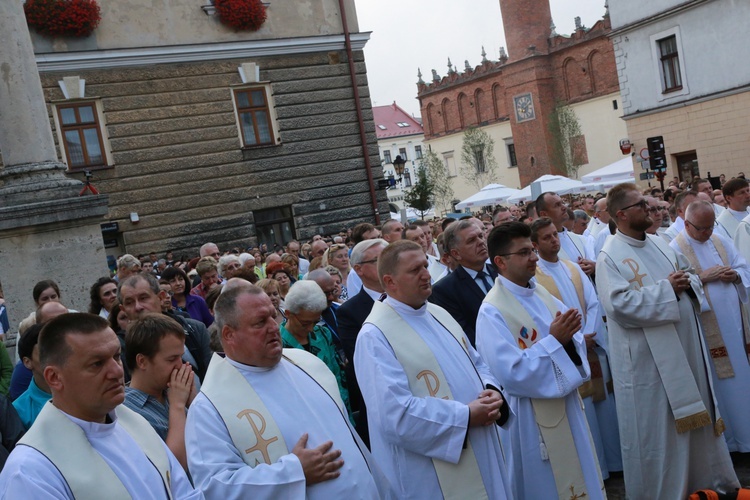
(371, 261)
(643, 204)
(699, 228)
(654, 210)
(525, 253)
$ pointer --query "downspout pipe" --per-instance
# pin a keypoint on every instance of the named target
(360, 118)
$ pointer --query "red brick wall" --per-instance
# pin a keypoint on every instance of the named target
(576, 69)
(526, 23)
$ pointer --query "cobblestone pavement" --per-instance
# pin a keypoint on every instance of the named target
(615, 485)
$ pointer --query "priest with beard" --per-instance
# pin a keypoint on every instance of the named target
(670, 427)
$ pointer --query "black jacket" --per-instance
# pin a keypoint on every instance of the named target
(460, 295)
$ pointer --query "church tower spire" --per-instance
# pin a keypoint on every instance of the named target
(526, 24)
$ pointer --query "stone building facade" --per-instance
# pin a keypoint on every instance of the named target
(682, 77)
(207, 134)
(513, 98)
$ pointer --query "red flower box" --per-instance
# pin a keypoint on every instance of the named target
(74, 18)
(246, 15)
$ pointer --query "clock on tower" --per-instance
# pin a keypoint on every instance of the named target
(524, 106)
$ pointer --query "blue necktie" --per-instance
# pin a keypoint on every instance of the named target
(485, 280)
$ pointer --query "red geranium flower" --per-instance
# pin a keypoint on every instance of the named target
(76, 18)
(241, 14)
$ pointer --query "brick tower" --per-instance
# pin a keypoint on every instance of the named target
(526, 23)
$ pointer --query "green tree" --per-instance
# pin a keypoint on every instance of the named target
(419, 197)
(565, 131)
(478, 163)
(437, 174)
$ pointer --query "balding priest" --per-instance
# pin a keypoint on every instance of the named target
(270, 423)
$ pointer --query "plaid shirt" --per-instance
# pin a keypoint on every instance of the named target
(148, 407)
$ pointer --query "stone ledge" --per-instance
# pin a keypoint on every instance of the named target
(73, 209)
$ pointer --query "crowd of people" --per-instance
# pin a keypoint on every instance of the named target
(530, 352)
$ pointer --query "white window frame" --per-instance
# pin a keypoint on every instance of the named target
(102, 122)
(266, 85)
(657, 67)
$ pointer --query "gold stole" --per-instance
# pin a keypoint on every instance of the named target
(426, 379)
(252, 428)
(685, 401)
(711, 330)
(86, 473)
(550, 414)
(593, 387)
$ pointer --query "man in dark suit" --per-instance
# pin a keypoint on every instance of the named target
(461, 292)
(352, 315)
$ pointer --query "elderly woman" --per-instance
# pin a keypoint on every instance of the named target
(271, 287)
(304, 304)
(103, 295)
(228, 266)
(282, 274)
(338, 256)
(183, 300)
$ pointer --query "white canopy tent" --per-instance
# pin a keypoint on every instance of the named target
(491, 194)
(412, 214)
(619, 171)
(554, 183)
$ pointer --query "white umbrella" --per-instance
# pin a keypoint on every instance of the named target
(491, 194)
(554, 183)
(619, 171)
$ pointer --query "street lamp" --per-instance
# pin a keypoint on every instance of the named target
(398, 165)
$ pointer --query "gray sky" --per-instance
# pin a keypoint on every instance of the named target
(411, 34)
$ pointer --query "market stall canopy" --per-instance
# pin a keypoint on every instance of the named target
(491, 194)
(555, 183)
(619, 171)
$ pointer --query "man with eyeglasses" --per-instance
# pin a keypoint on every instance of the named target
(567, 282)
(657, 214)
(534, 346)
(725, 277)
(670, 427)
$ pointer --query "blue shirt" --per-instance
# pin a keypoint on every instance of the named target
(150, 408)
(30, 403)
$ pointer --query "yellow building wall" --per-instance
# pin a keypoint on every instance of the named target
(718, 130)
(603, 127)
(451, 144)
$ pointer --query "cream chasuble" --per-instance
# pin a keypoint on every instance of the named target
(665, 401)
(245, 421)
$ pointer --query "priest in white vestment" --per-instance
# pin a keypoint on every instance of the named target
(737, 194)
(567, 282)
(681, 202)
(267, 426)
(670, 427)
(433, 407)
(725, 277)
(533, 345)
(573, 247)
(85, 444)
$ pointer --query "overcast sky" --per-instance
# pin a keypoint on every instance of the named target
(411, 34)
